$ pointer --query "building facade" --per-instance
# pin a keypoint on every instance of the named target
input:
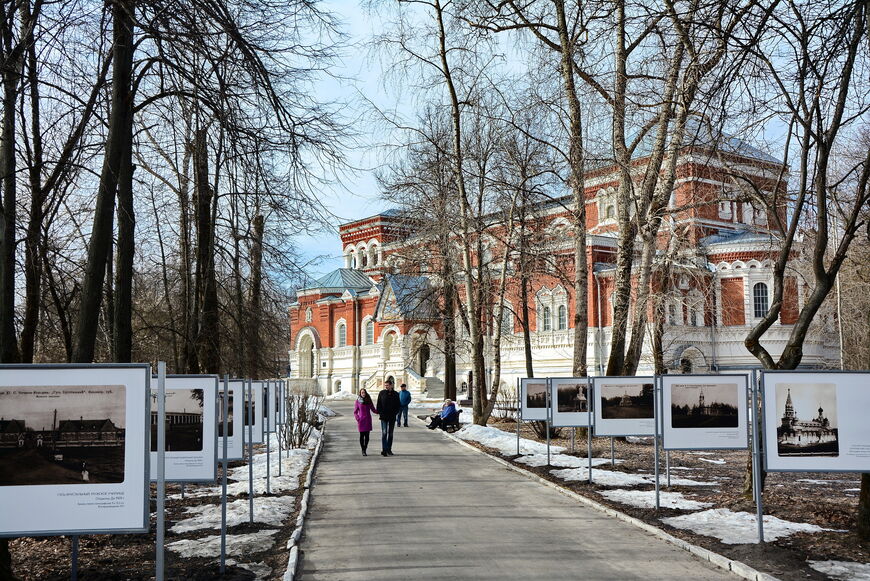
(376, 317)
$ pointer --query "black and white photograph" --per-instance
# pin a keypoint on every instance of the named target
(704, 406)
(571, 397)
(229, 415)
(62, 434)
(808, 423)
(627, 401)
(536, 394)
(184, 420)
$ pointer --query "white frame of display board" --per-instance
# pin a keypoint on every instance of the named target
(81, 375)
(569, 419)
(270, 392)
(741, 430)
(540, 414)
(209, 385)
(599, 424)
(259, 401)
(236, 442)
(854, 380)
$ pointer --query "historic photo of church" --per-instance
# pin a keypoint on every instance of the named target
(184, 425)
(536, 394)
(571, 397)
(620, 402)
(62, 435)
(808, 426)
(704, 406)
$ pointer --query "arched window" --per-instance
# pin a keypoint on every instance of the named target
(507, 321)
(611, 212)
(672, 314)
(547, 323)
(308, 315)
(562, 322)
(370, 332)
(759, 300)
(342, 335)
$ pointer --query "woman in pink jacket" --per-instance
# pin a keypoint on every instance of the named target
(363, 409)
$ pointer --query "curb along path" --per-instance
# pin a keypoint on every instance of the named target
(436, 510)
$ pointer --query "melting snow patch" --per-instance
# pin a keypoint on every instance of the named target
(638, 439)
(701, 453)
(734, 528)
(237, 545)
(842, 570)
(719, 461)
(504, 442)
(562, 460)
(267, 510)
(326, 412)
(811, 481)
(647, 499)
(685, 481)
(341, 395)
(601, 477)
(261, 570)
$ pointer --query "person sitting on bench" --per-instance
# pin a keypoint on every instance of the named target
(448, 412)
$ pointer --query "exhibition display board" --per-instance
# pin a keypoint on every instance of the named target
(816, 421)
(74, 449)
(570, 401)
(191, 428)
(704, 412)
(256, 401)
(624, 406)
(533, 399)
(271, 394)
(235, 409)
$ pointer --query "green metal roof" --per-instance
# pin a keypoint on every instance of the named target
(345, 278)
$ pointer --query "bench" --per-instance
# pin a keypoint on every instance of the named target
(452, 424)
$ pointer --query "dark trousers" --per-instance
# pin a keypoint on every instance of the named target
(364, 440)
(387, 435)
(403, 412)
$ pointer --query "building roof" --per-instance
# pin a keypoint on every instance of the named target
(11, 426)
(343, 279)
(415, 298)
(738, 237)
(85, 425)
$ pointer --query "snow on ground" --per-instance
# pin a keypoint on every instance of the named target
(701, 453)
(733, 528)
(682, 468)
(852, 490)
(341, 395)
(237, 545)
(675, 481)
(504, 442)
(842, 570)
(711, 461)
(267, 510)
(261, 570)
(647, 499)
(295, 462)
(639, 439)
(561, 460)
(601, 477)
(325, 411)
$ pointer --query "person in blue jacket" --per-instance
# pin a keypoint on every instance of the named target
(404, 400)
(447, 411)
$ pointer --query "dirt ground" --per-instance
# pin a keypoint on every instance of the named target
(131, 557)
(827, 500)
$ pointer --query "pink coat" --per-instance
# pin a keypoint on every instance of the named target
(363, 414)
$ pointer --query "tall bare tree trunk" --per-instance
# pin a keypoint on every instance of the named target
(120, 119)
(208, 334)
(254, 302)
(122, 321)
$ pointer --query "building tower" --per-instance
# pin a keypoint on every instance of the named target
(788, 418)
(701, 401)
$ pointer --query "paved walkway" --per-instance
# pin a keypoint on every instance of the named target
(437, 510)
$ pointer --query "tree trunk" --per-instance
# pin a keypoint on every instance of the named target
(122, 321)
(254, 303)
(449, 328)
(208, 334)
(864, 497)
(120, 118)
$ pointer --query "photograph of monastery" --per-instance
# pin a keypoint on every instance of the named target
(62, 435)
(184, 423)
(800, 433)
(571, 397)
(229, 414)
(704, 406)
(536, 394)
(620, 402)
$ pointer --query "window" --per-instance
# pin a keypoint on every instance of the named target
(611, 212)
(507, 321)
(342, 335)
(759, 300)
(547, 322)
(370, 332)
(563, 318)
(308, 315)
(672, 314)
(725, 210)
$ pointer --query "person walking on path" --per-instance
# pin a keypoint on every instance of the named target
(405, 400)
(363, 408)
(388, 408)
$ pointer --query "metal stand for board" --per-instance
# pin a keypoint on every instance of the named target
(549, 412)
(269, 412)
(756, 458)
(612, 458)
(226, 399)
(182, 491)
(656, 402)
(74, 565)
(519, 419)
(573, 437)
(590, 402)
(159, 564)
(667, 460)
(251, 450)
(280, 422)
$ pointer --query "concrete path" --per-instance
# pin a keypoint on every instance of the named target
(437, 510)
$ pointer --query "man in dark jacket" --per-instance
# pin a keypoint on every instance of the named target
(388, 408)
(405, 400)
